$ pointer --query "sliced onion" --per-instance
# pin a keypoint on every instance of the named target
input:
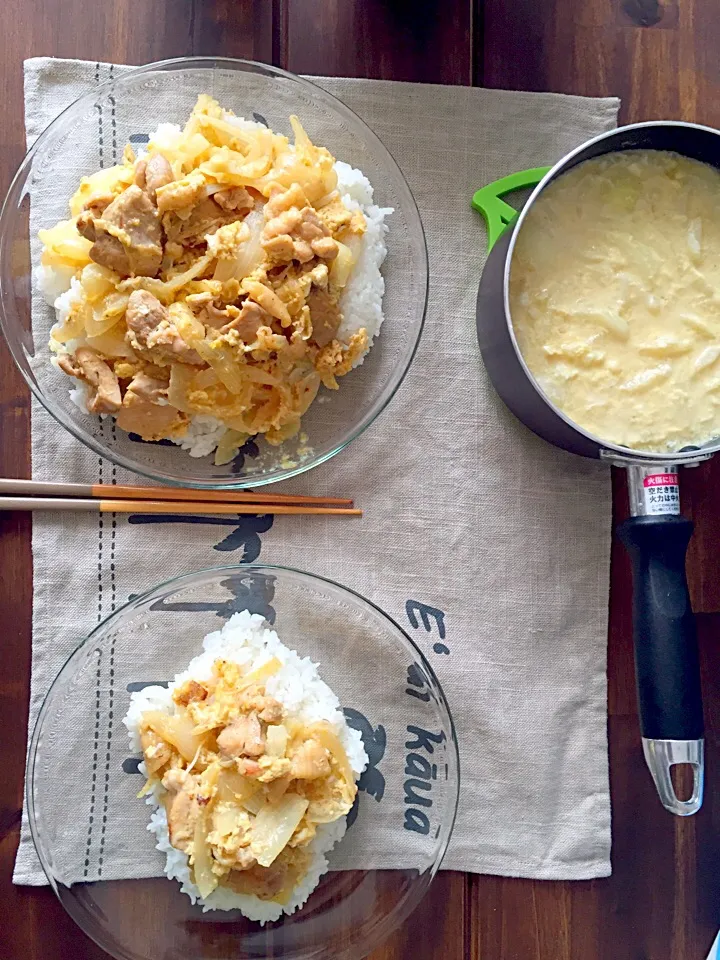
(74, 325)
(342, 266)
(106, 314)
(202, 860)
(233, 787)
(64, 242)
(228, 447)
(326, 737)
(187, 324)
(181, 380)
(112, 343)
(177, 730)
(276, 740)
(222, 358)
(165, 290)
(254, 803)
(274, 825)
(251, 253)
(97, 281)
(268, 300)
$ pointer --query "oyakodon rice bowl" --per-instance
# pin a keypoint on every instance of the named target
(206, 289)
(251, 771)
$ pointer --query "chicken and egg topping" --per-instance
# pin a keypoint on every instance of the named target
(615, 298)
(206, 278)
(244, 785)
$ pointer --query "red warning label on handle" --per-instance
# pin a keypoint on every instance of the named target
(661, 493)
(661, 480)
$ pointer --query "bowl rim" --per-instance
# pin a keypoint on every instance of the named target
(10, 202)
(450, 815)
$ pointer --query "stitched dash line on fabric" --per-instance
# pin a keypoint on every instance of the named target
(113, 534)
(93, 784)
(98, 673)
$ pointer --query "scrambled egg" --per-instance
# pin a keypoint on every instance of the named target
(615, 297)
(244, 786)
(212, 266)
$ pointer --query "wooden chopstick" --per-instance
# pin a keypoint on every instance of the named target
(174, 507)
(30, 488)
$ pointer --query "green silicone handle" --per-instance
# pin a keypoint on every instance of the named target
(498, 214)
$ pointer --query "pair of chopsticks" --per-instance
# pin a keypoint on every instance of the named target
(103, 498)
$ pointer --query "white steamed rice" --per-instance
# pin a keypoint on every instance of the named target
(247, 639)
(360, 302)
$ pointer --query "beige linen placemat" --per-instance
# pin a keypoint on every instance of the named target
(490, 547)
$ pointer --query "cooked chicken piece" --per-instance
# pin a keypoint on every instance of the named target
(144, 313)
(249, 320)
(109, 252)
(325, 316)
(218, 318)
(158, 173)
(281, 200)
(207, 309)
(132, 227)
(325, 247)
(236, 198)
(280, 248)
(143, 411)
(285, 223)
(298, 235)
(204, 218)
(310, 761)
(189, 692)
(311, 226)
(183, 810)
(86, 365)
(149, 388)
(98, 203)
(267, 708)
(133, 220)
(152, 173)
(242, 738)
(156, 752)
(151, 331)
(140, 172)
(248, 768)
(165, 345)
(85, 225)
(302, 251)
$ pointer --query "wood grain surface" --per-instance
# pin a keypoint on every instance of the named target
(663, 900)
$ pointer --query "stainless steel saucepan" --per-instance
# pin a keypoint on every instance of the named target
(656, 535)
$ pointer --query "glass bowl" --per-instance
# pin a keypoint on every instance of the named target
(91, 134)
(89, 827)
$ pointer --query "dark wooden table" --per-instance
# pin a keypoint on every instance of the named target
(660, 56)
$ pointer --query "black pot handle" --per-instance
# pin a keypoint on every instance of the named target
(666, 653)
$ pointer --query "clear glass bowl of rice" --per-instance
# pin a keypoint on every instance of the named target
(128, 108)
(91, 829)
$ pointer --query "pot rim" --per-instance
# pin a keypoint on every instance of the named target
(608, 449)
